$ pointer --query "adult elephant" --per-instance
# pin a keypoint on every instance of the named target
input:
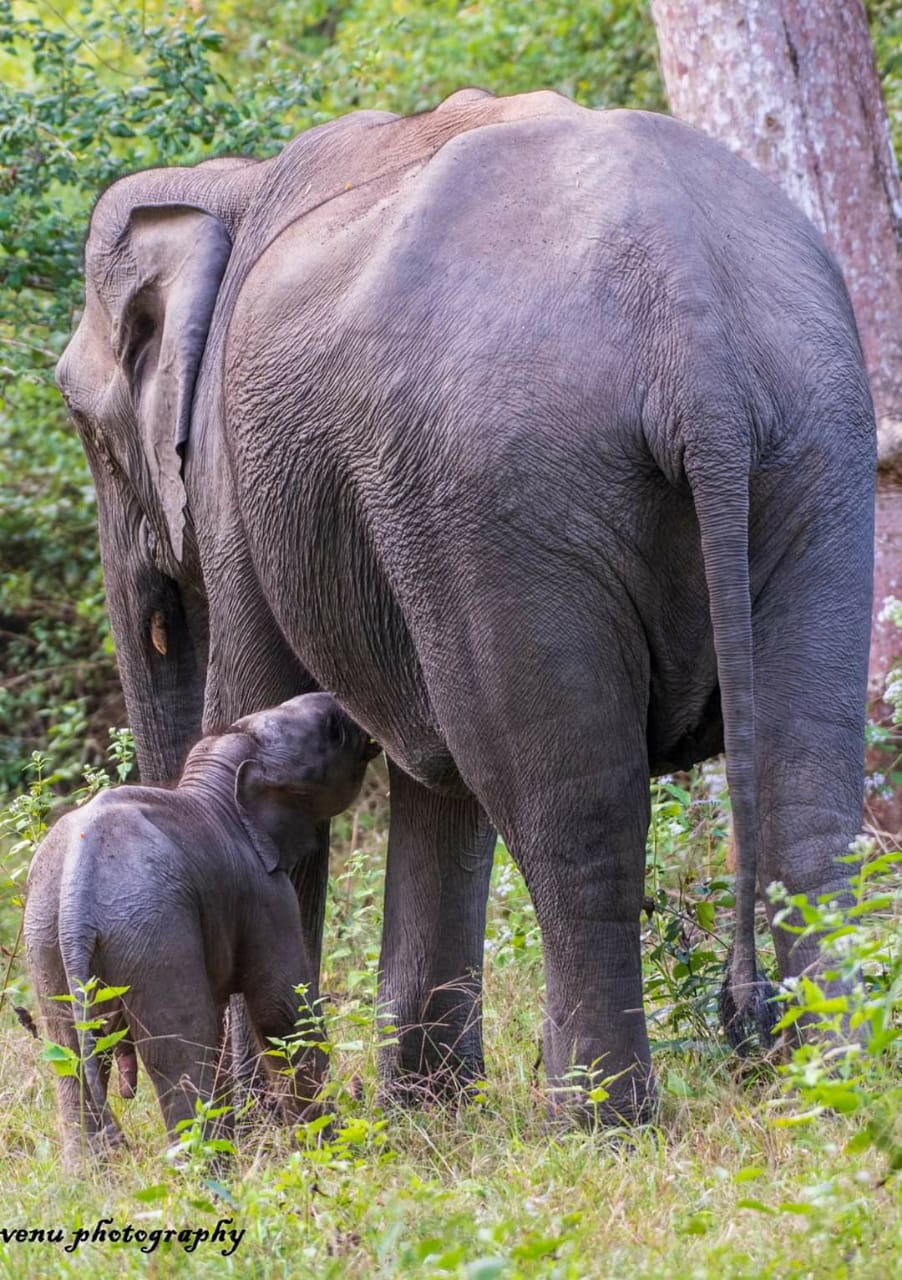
(541, 437)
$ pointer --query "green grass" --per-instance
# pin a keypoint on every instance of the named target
(729, 1183)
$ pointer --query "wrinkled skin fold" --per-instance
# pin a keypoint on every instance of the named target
(540, 436)
(184, 897)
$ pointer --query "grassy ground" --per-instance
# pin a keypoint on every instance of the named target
(722, 1187)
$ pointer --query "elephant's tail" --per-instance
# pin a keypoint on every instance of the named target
(78, 939)
(721, 500)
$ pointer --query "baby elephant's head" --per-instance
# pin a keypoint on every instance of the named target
(305, 763)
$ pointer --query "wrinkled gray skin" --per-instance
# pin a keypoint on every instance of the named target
(184, 897)
(542, 437)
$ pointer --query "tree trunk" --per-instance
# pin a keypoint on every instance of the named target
(792, 86)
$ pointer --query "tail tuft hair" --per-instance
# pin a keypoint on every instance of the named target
(755, 1021)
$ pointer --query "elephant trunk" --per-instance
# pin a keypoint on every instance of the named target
(160, 629)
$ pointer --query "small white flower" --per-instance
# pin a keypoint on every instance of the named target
(891, 611)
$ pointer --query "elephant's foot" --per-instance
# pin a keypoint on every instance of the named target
(83, 1151)
(438, 1061)
(603, 1105)
(446, 1083)
(439, 864)
(596, 1052)
(439, 1058)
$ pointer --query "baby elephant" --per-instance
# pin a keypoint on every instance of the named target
(183, 896)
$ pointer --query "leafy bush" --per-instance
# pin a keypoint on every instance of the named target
(80, 103)
(862, 945)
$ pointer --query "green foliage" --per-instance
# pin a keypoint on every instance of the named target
(200, 1146)
(406, 57)
(24, 823)
(688, 892)
(487, 1189)
(861, 945)
(892, 693)
(89, 994)
(885, 18)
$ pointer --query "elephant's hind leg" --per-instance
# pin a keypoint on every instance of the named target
(281, 1009)
(87, 1125)
(554, 747)
(183, 1059)
(297, 1033)
(582, 856)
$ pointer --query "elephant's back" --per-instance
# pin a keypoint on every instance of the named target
(550, 249)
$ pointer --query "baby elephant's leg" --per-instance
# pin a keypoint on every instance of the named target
(86, 1121)
(87, 1125)
(278, 1010)
(176, 1027)
(277, 1016)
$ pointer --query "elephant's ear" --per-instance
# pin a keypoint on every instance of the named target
(248, 785)
(181, 253)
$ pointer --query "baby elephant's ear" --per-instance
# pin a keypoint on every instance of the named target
(249, 784)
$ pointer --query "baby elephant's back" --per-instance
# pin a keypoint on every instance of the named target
(107, 869)
(43, 889)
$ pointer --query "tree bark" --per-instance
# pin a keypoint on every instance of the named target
(792, 86)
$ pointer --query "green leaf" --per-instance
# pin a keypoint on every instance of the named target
(64, 1061)
(757, 1206)
(678, 792)
(107, 993)
(679, 1087)
(484, 1268)
(797, 1206)
(107, 1042)
(90, 1024)
(699, 1224)
(220, 1192)
(705, 914)
(793, 1122)
(147, 1195)
(860, 1142)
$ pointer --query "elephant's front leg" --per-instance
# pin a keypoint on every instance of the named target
(439, 863)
